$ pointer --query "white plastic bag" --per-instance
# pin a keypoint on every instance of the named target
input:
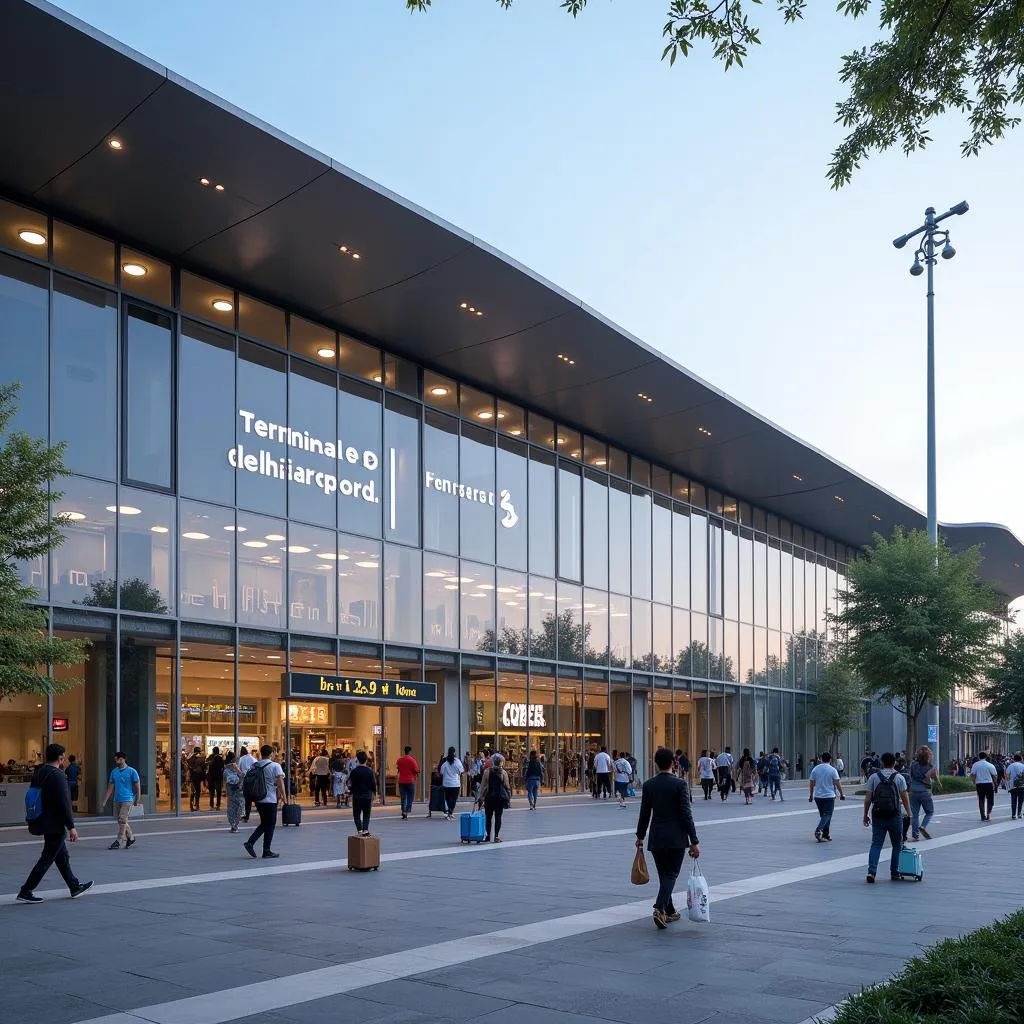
(698, 899)
(137, 811)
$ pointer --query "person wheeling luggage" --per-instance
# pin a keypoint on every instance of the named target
(886, 799)
(362, 783)
(665, 808)
(495, 795)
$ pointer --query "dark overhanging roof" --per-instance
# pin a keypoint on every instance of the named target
(275, 230)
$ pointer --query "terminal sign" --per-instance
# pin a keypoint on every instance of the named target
(361, 688)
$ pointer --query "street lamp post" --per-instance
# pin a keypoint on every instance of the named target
(931, 236)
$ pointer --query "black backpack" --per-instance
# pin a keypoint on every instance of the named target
(885, 800)
(254, 785)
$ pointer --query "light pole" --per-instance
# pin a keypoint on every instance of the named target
(931, 235)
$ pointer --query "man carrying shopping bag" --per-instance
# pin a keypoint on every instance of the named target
(665, 807)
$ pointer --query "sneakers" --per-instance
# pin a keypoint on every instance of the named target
(660, 920)
(28, 897)
(871, 879)
(247, 846)
(826, 836)
(81, 888)
(270, 855)
(817, 834)
(674, 916)
(130, 843)
(115, 845)
(925, 833)
(916, 839)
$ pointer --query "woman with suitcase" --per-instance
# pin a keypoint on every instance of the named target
(495, 796)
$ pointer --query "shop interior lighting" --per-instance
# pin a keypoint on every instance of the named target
(195, 535)
(276, 536)
(124, 510)
(115, 144)
(325, 352)
(31, 237)
(485, 414)
(471, 310)
(438, 391)
(515, 432)
(296, 549)
(158, 529)
(134, 269)
(600, 462)
(222, 305)
(75, 517)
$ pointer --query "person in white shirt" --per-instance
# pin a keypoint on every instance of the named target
(706, 769)
(266, 806)
(245, 762)
(1014, 774)
(623, 774)
(824, 783)
(724, 764)
(840, 767)
(603, 774)
(452, 770)
(985, 775)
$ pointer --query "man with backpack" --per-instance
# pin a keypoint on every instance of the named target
(48, 814)
(774, 764)
(264, 786)
(885, 801)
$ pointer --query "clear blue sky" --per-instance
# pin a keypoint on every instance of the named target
(688, 205)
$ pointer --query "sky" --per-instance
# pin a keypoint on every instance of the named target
(688, 205)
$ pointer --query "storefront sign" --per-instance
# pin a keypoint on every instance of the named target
(306, 714)
(226, 743)
(359, 688)
(59, 725)
(523, 716)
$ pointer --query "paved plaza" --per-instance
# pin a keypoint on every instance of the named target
(545, 928)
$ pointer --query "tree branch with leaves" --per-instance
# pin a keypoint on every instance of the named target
(1002, 689)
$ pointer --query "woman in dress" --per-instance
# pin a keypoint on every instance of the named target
(233, 782)
(339, 776)
(746, 775)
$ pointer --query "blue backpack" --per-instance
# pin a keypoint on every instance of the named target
(34, 807)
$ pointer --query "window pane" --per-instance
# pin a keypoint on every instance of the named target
(595, 625)
(206, 413)
(618, 535)
(207, 300)
(359, 583)
(715, 648)
(680, 556)
(698, 562)
(760, 580)
(401, 375)
(148, 376)
(440, 392)
(24, 294)
(154, 281)
(512, 503)
(312, 579)
(699, 646)
(641, 533)
(476, 599)
(82, 569)
(570, 622)
(730, 572)
(661, 649)
(681, 641)
(441, 475)
(146, 535)
(542, 512)
(511, 419)
(82, 252)
(313, 341)
(641, 635)
(618, 631)
(360, 430)
(512, 601)
(570, 522)
(787, 591)
(85, 375)
(477, 508)
(402, 470)
(715, 566)
(359, 360)
(662, 551)
(312, 490)
(261, 562)
(746, 576)
(730, 650)
(260, 321)
(403, 605)
(207, 559)
(440, 600)
(595, 532)
(543, 624)
(262, 453)
(774, 584)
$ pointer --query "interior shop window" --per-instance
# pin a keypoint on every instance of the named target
(403, 594)
(402, 470)
(716, 648)
(312, 579)
(541, 518)
(541, 694)
(478, 509)
(147, 401)
(570, 522)
(821, 595)
(483, 733)
(641, 546)
(595, 536)
(543, 618)
(261, 712)
(512, 599)
(207, 414)
(476, 599)
(441, 505)
(595, 720)
(440, 600)
(516, 719)
(619, 643)
(313, 412)
(263, 458)
(511, 491)
(84, 383)
(698, 562)
(146, 537)
(661, 582)
(595, 627)
(359, 587)
(360, 428)
(680, 556)
(570, 752)
(207, 543)
(82, 569)
(261, 564)
(640, 632)
(24, 351)
(401, 375)
(681, 641)
(572, 640)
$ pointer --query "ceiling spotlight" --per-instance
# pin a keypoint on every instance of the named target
(837, 498)
(219, 188)
(222, 305)
(325, 352)
(644, 397)
(31, 237)
(356, 256)
(195, 535)
(798, 478)
(438, 391)
(115, 144)
(704, 431)
(345, 250)
(877, 519)
(205, 182)
(565, 359)
(485, 414)
(472, 310)
(134, 269)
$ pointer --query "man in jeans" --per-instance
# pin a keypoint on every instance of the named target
(665, 806)
(774, 764)
(408, 771)
(267, 806)
(127, 792)
(886, 792)
(53, 824)
(363, 785)
(824, 783)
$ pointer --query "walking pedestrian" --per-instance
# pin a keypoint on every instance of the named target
(320, 777)
(534, 777)
(665, 808)
(245, 762)
(215, 778)
(746, 772)
(985, 775)
(824, 782)
(724, 764)
(774, 763)
(127, 792)
(1015, 784)
(451, 769)
(73, 772)
(923, 777)
(266, 805)
(54, 823)
(408, 772)
(233, 781)
(196, 765)
(885, 799)
(338, 776)
(840, 766)
(362, 784)
(495, 796)
(762, 774)
(623, 773)
(706, 769)
(603, 774)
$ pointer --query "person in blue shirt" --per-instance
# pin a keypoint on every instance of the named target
(127, 792)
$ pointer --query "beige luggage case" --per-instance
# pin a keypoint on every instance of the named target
(363, 853)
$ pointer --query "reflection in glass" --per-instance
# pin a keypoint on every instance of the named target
(360, 430)
(730, 572)
(146, 535)
(760, 580)
(261, 563)
(82, 569)
(641, 636)
(207, 544)
(403, 604)
(715, 566)
(440, 600)
(618, 631)
(24, 298)
(774, 584)
(402, 470)
(541, 519)
(512, 504)
(595, 618)
(641, 546)
(618, 531)
(731, 665)
(441, 468)
(543, 620)
(680, 556)
(661, 647)
(359, 587)
(476, 596)
(595, 536)
(311, 579)
(512, 596)
(572, 638)
(698, 562)
(477, 509)
(312, 494)
(661, 585)
(262, 402)
(148, 416)
(681, 641)
(570, 522)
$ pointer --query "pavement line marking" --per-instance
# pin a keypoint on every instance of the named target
(277, 993)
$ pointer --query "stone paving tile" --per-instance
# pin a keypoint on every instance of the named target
(427, 996)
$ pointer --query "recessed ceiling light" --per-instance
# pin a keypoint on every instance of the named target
(236, 529)
(704, 431)
(471, 310)
(158, 529)
(644, 397)
(876, 518)
(75, 517)
(134, 269)
(297, 549)
(222, 305)
(515, 432)
(219, 188)
(565, 359)
(600, 462)
(275, 536)
(438, 391)
(368, 565)
(346, 251)
(32, 237)
(254, 543)
(205, 182)
(325, 352)
(115, 144)
(195, 535)
(356, 256)
(125, 510)
(485, 414)
(837, 498)
(798, 478)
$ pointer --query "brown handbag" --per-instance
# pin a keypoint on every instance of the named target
(639, 875)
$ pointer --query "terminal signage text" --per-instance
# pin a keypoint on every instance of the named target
(361, 688)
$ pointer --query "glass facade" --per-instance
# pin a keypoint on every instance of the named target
(254, 493)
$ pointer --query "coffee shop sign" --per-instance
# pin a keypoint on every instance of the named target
(523, 716)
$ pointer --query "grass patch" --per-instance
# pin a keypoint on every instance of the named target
(976, 979)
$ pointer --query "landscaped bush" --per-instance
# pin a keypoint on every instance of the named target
(977, 979)
(956, 784)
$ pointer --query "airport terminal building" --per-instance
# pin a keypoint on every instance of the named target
(344, 476)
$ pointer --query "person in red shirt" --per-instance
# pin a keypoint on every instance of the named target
(408, 770)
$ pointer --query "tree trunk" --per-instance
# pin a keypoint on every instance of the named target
(834, 746)
(911, 736)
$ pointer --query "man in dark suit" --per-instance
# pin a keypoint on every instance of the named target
(665, 806)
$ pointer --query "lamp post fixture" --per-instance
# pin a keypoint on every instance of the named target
(931, 237)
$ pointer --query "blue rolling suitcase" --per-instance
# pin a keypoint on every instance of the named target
(472, 827)
(911, 864)
(291, 814)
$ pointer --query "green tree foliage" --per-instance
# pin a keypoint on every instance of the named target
(1003, 687)
(136, 595)
(933, 57)
(839, 701)
(918, 622)
(27, 468)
